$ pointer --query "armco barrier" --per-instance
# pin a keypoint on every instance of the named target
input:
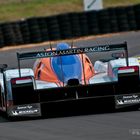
(70, 25)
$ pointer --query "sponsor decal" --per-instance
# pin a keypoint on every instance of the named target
(72, 51)
(124, 100)
(25, 110)
(25, 107)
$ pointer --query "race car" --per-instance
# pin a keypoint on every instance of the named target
(66, 75)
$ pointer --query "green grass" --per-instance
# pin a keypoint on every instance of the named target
(11, 10)
(110, 3)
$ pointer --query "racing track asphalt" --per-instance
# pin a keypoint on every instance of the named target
(96, 126)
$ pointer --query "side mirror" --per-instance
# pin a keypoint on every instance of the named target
(3, 67)
(118, 55)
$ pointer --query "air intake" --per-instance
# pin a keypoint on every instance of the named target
(73, 82)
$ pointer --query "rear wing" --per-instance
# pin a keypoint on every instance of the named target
(72, 51)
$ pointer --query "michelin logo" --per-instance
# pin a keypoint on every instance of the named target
(133, 99)
(24, 112)
(121, 102)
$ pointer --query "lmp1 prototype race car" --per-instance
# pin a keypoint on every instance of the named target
(66, 75)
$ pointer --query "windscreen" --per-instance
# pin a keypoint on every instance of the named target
(67, 67)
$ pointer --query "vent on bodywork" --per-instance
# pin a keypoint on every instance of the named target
(73, 82)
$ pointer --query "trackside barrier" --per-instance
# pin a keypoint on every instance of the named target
(70, 25)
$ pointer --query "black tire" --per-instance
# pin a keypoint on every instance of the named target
(93, 26)
(137, 15)
(131, 17)
(113, 20)
(1, 38)
(137, 8)
(34, 30)
(53, 28)
(43, 28)
(17, 32)
(104, 21)
(25, 31)
(75, 24)
(83, 24)
(65, 26)
(122, 19)
(8, 34)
